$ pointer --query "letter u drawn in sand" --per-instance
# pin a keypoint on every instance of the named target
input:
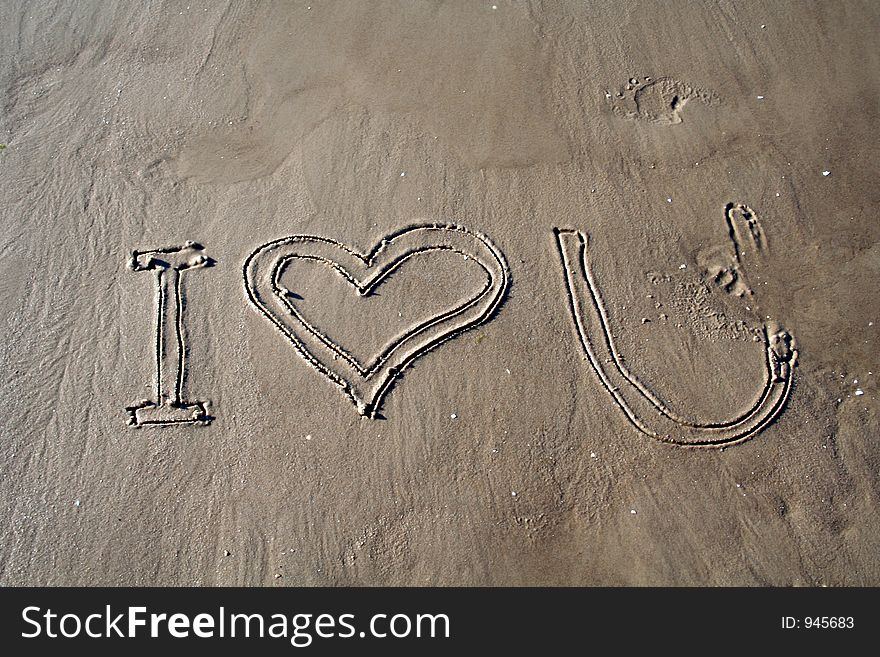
(635, 400)
(366, 382)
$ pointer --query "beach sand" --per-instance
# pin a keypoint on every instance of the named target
(718, 160)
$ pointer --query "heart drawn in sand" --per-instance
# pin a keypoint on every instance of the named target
(367, 382)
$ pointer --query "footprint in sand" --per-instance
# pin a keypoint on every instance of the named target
(726, 267)
(656, 100)
(723, 266)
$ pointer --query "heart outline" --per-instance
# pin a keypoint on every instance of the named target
(264, 268)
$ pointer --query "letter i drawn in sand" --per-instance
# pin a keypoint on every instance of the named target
(168, 408)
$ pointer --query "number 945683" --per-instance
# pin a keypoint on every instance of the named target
(819, 622)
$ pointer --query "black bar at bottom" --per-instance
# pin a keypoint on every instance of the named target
(434, 621)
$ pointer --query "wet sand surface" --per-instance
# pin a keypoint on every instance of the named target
(448, 426)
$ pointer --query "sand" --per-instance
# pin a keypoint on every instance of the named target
(419, 384)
